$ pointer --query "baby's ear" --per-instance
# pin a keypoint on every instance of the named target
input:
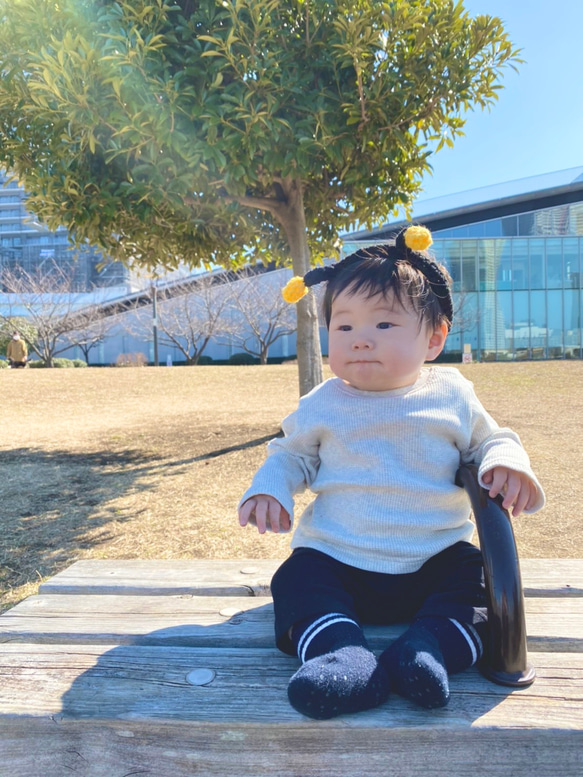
(436, 342)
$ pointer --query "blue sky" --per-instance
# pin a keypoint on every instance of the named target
(536, 126)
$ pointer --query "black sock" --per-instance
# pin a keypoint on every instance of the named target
(339, 674)
(316, 636)
(419, 662)
(461, 643)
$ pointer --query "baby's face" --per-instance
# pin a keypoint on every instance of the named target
(376, 344)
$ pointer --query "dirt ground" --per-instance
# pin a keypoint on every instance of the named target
(151, 463)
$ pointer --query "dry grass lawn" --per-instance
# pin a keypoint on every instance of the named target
(151, 463)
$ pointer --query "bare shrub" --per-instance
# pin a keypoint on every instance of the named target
(137, 359)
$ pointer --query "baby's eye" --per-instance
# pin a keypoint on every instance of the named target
(384, 325)
(344, 328)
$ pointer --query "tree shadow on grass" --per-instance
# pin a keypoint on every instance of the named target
(223, 451)
(55, 503)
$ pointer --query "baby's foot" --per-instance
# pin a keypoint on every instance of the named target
(416, 668)
(346, 680)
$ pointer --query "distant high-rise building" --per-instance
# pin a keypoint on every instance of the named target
(27, 244)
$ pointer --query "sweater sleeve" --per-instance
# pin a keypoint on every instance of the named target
(494, 446)
(292, 460)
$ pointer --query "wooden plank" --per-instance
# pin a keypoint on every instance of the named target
(40, 747)
(218, 577)
(552, 624)
(97, 712)
(552, 577)
(151, 620)
(242, 577)
(150, 683)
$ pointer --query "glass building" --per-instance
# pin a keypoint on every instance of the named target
(515, 255)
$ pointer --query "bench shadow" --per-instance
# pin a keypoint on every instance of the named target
(219, 672)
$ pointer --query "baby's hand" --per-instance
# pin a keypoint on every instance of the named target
(518, 489)
(265, 508)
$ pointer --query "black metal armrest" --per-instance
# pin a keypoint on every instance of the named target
(506, 656)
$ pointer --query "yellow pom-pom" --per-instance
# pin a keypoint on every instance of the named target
(418, 238)
(294, 289)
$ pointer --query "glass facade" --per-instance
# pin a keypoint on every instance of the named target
(517, 284)
(516, 298)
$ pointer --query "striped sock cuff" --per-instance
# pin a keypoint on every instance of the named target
(316, 627)
(472, 638)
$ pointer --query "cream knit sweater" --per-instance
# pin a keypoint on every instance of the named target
(382, 465)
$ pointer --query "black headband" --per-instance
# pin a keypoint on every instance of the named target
(397, 251)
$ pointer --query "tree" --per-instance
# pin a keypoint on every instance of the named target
(259, 316)
(215, 130)
(90, 328)
(188, 320)
(46, 299)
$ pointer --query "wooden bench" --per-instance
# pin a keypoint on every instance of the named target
(167, 668)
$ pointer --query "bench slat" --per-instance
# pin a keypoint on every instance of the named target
(242, 577)
(149, 683)
(201, 577)
(552, 624)
(88, 748)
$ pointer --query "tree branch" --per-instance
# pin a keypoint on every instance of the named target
(270, 204)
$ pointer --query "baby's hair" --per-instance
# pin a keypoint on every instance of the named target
(402, 268)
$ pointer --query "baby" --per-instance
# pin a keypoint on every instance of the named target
(387, 538)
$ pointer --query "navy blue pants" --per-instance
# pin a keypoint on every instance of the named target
(310, 583)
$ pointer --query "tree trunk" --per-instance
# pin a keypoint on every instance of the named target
(292, 217)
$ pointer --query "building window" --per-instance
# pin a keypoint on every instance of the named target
(537, 264)
(520, 266)
(469, 265)
(509, 226)
(538, 325)
(571, 266)
(503, 264)
(451, 253)
(554, 263)
(555, 327)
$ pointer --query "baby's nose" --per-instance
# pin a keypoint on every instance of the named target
(362, 344)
